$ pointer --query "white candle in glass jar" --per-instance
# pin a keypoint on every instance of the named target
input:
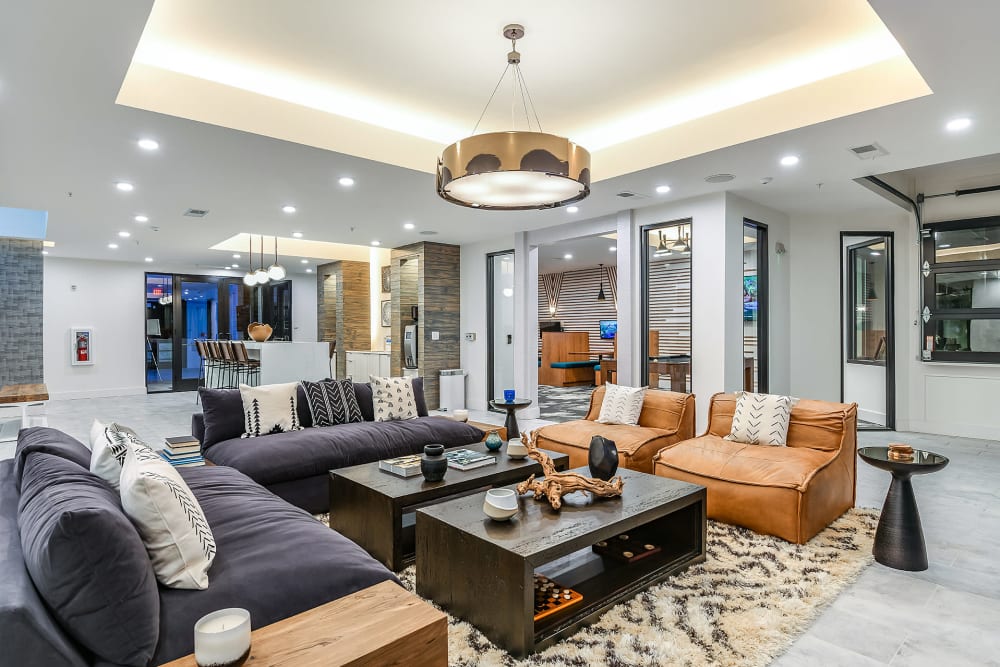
(222, 638)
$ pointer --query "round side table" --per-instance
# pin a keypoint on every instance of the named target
(510, 406)
(899, 540)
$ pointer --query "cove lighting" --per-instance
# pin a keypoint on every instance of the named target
(124, 187)
(288, 208)
(958, 124)
(662, 189)
(141, 218)
(789, 160)
(148, 144)
(346, 181)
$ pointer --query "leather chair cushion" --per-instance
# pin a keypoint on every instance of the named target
(579, 432)
(660, 409)
(760, 465)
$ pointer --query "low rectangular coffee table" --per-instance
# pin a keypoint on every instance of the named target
(375, 509)
(482, 571)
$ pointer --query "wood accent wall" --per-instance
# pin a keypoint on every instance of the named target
(344, 308)
(435, 284)
(670, 305)
(579, 309)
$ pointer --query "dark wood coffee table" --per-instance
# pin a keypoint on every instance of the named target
(482, 571)
(375, 509)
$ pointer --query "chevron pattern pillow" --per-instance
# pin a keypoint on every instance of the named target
(761, 419)
(332, 402)
(621, 405)
(393, 398)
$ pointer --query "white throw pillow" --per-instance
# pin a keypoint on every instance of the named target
(169, 519)
(621, 405)
(761, 419)
(107, 452)
(270, 408)
(393, 398)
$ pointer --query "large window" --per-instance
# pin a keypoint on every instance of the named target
(962, 290)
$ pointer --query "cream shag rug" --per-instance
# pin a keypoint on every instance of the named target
(742, 607)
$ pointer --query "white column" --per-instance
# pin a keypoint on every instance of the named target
(629, 303)
(526, 323)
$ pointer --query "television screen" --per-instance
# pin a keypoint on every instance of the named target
(749, 297)
(609, 328)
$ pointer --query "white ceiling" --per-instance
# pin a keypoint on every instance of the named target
(62, 66)
(585, 253)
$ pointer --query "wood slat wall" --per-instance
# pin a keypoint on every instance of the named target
(670, 305)
(579, 309)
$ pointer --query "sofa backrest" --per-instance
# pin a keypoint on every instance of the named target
(669, 410)
(813, 424)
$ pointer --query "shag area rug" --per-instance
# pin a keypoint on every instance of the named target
(742, 607)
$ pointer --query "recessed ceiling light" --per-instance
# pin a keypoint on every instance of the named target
(148, 144)
(309, 270)
(45, 252)
(304, 261)
(297, 235)
(663, 189)
(789, 160)
(236, 255)
(876, 253)
(113, 246)
(346, 181)
(572, 209)
(567, 256)
(408, 225)
(944, 245)
(376, 243)
(235, 266)
(149, 259)
(613, 248)
(288, 208)
(141, 218)
(958, 124)
(124, 187)
(124, 234)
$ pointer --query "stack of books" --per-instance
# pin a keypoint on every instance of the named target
(182, 451)
(403, 466)
(466, 459)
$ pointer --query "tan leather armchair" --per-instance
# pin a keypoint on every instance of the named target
(667, 418)
(792, 492)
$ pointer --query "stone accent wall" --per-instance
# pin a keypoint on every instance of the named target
(21, 311)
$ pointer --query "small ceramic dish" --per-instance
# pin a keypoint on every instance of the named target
(500, 504)
(516, 449)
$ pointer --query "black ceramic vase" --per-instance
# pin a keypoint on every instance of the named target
(603, 459)
(433, 463)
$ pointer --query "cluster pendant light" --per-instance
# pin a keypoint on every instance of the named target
(515, 170)
(262, 276)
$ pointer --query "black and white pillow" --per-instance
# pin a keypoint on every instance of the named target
(270, 408)
(168, 517)
(393, 398)
(332, 402)
(761, 419)
(621, 405)
(107, 450)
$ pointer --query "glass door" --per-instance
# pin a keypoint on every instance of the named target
(754, 306)
(500, 323)
(666, 306)
(196, 305)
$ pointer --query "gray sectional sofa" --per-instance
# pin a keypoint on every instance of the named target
(296, 465)
(77, 588)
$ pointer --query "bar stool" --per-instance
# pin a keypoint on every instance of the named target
(244, 364)
(203, 366)
(229, 363)
(221, 365)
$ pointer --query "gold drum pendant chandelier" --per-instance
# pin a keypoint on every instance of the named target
(515, 170)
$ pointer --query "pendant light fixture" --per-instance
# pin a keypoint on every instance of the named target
(661, 248)
(276, 271)
(249, 279)
(260, 275)
(515, 170)
(600, 294)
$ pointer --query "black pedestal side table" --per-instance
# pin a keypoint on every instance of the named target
(899, 540)
(510, 406)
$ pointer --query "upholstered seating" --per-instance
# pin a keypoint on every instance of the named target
(792, 492)
(666, 418)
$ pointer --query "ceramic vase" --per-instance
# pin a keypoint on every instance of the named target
(493, 441)
(433, 463)
(603, 459)
(500, 504)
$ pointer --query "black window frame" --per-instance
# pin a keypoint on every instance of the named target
(850, 330)
(932, 269)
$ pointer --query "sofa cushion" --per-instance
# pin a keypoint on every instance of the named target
(270, 408)
(393, 398)
(223, 414)
(813, 424)
(49, 441)
(363, 390)
(717, 458)
(621, 404)
(281, 457)
(108, 450)
(273, 560)
(578, 433)
(660, 409)
(332, 402)
(761, 419)
(87, 561)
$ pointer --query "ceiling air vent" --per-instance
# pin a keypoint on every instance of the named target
(195, 213)
(868, 151)
(719, 178)
(626, 194)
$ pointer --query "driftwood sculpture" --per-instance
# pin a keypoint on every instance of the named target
(557, 484)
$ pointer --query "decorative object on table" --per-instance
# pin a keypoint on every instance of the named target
(460, 415)
(493, 441)
(386, 279)
(557, 484)
(222, 638)
(551, 597)
(500, 504)
(387, 313)
(467, 459)
(899, 539)
(516, 449)
(900, 452)
(508, 395)
(603, 457)
(761, 419)
(82, 342)
(269, 409)
(433, 464)
(510, 407)
(626, 548)
(621, 404)
(402, 466)
(259, 331)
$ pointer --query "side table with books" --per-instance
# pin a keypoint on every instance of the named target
(182, 451)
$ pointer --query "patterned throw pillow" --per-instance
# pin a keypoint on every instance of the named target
(393, 398)
(107, 451)
(761, 419)
(621, 405)
(332, 402)
(170, 521)
(270, 408)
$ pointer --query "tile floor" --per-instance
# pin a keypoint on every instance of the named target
(947, 616)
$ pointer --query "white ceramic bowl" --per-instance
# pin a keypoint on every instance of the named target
(500, 504)
(516, 449)
(460, 415)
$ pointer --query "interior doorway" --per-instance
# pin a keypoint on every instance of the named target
(755, 306)
(666, 305)
(499, 323)
(868, 328)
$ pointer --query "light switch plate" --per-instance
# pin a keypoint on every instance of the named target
(471, 337)
(435, 335)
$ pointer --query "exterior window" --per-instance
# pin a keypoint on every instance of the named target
(962, 290)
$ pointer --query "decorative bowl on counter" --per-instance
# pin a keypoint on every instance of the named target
(259, 332)
(500, 504)
(516, 449)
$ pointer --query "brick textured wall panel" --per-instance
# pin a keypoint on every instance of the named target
(21, 311)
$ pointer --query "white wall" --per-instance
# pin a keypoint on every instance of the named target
(304, 309)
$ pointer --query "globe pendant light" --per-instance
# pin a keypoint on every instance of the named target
(276, 271)
(516, 170)
(260, 275)
(249, 279)
(600, 294)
